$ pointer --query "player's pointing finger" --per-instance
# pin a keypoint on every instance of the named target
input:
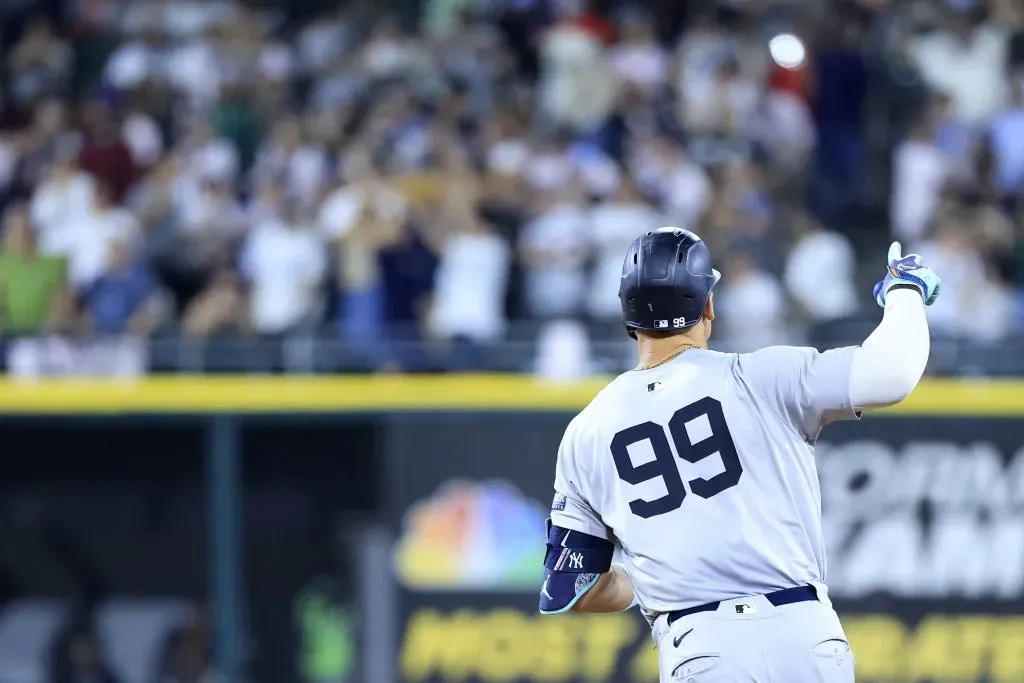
(895, 252)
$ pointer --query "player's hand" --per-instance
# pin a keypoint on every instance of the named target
(907, 270)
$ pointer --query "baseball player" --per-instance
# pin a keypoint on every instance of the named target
(696, 471)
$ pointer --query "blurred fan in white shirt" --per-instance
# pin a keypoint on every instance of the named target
(195, 70)
(553, 248)
(721, 104)
(994, 315)
(819, 272)
(65, 196)
(286, 155)
(965, 281)
(681, 186)
(563, 352)
(201, 154)
(92, 233)
(751, 306)
(469, 286)
(638, 59)
(575, 89)
(284, 261)
(547, 166)
(614, 224)
(966, 59)
(920, 170)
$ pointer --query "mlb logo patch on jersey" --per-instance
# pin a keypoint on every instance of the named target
(654, 386)
(559, 502)
(661, 323)
(746, 608)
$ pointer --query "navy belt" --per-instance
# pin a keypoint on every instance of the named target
(786, 596)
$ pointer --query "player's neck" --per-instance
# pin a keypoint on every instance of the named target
(654, 351)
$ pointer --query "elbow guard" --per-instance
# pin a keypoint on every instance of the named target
(572, 565)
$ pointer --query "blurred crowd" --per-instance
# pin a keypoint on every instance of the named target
(444, 175)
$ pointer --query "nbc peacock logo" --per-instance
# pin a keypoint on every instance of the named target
(472, 536)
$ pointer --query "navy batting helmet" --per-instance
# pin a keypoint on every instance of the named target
(667, 279)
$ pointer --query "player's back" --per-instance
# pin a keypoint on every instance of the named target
(706, 482)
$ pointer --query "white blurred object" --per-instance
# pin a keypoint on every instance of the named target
(130, 65)
(575, 85)
(600, 175)
(787, 51)
(920, 170)
(554, 248)
(508, 157)
(469, 288)
(142, 136)
(614, 226)
(124, 358)
(121, 358)
(217, 160)
(964, 281)
(548, 170)
(33, 359)
(195, 69)
(90, 235)
(285, 264)
(276, 62)
(563, 352)
(994, 313)
(971, 71)
(820, 275)
(643, 64)
(54, 205)
(686, 193)
(785, 126)
(307, 172)
(751, 306)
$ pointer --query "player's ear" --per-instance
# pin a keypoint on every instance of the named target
(709, 308)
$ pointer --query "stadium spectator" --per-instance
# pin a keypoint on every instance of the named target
(358, 219)
(32, 285)
(964, 275)
(920, 173)
(614, 224)
(966, 58)
(472, 277)
(220, 310)
(284, 264)
(332, 169)
(104, 154)
(1006, 137)
(92, 231)
(638, 59)
(121, 300)
(819, 273)
(65, 193)
(553, 248)
(752, 303)
(39, 63)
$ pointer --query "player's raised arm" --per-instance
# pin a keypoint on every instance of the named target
(891, 361)
(810, 389)
(578, 572)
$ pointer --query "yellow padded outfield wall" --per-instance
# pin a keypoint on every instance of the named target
(322, 394)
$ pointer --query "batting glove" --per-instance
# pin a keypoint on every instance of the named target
(907, 270)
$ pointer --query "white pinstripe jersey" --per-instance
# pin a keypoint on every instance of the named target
(702, 471)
